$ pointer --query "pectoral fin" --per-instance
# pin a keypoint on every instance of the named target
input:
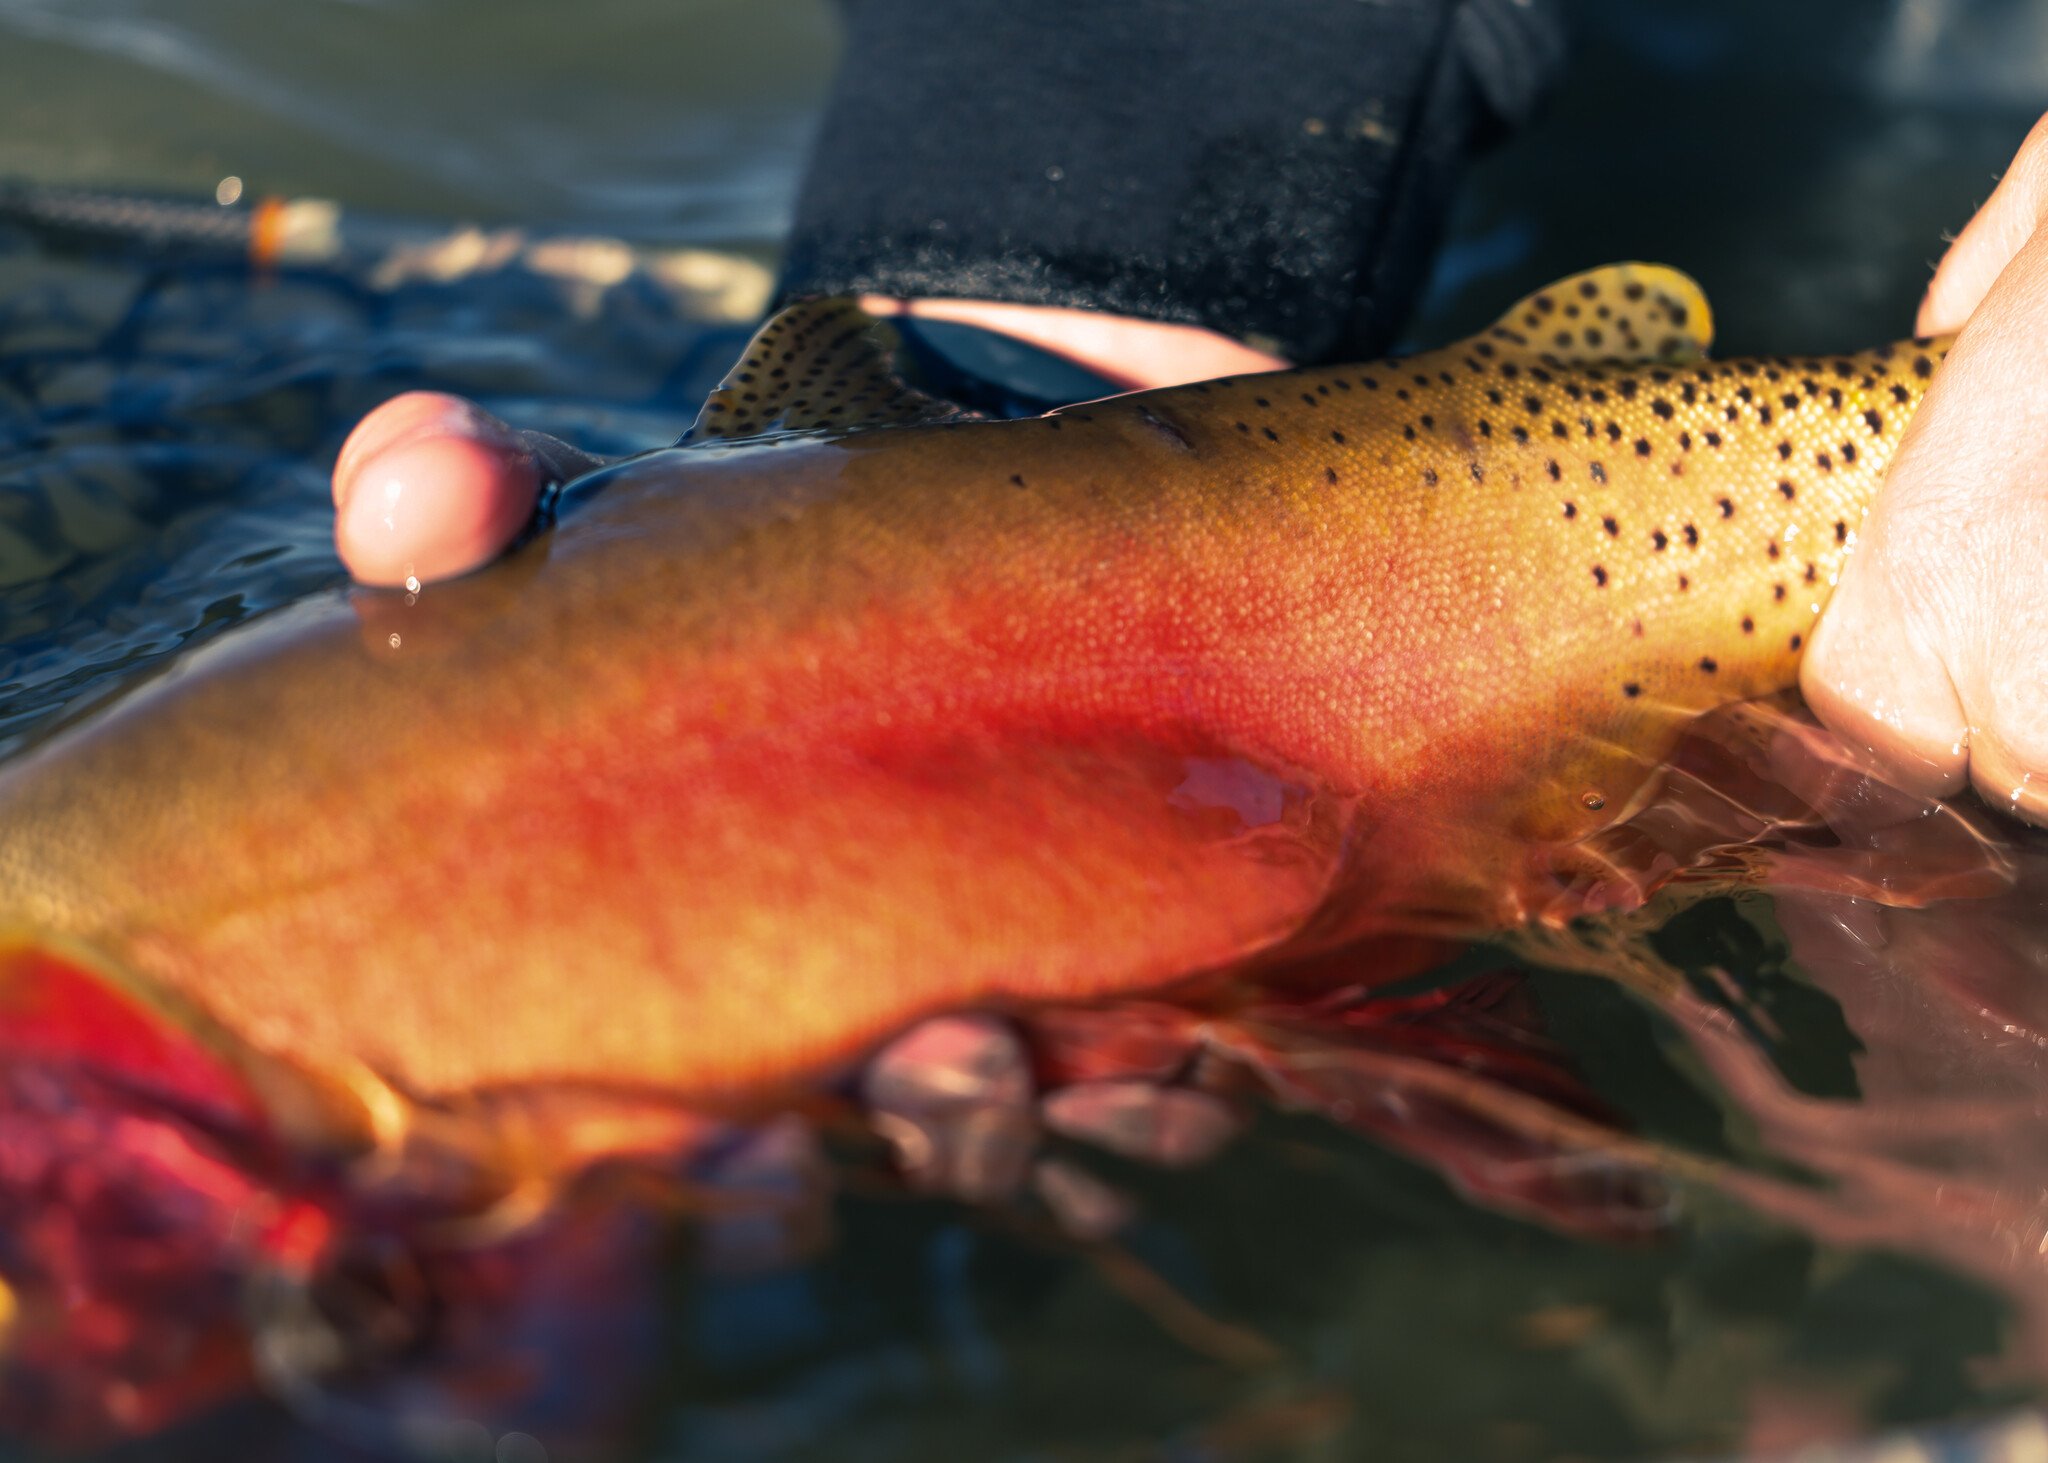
(65, 1009)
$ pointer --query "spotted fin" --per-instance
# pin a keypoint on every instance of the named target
(1618, 312)
(820, 365)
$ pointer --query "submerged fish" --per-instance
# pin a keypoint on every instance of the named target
(849, 710)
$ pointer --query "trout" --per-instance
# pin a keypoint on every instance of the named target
(849, 709)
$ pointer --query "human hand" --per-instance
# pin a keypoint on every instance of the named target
(429, 486)
(1933, 653)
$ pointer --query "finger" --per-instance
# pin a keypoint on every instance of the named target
(430, 486)
(1991, 239)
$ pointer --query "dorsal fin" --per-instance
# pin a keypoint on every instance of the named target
(819, 365)
(1618, 312)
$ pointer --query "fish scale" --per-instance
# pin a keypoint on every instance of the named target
(853, 709)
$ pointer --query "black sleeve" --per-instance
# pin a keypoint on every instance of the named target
(1278, 170)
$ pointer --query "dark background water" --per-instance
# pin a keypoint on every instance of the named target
(1802, 160)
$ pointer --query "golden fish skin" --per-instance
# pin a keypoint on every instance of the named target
(779, 742)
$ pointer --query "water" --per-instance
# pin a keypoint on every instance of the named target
(1783, 1188)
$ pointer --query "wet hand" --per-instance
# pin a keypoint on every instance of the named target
(1933, 654)
(430, 486)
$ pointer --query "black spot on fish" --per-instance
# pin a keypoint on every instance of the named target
(1599, 471)
(1726, 505)
(1429, 477)
(1797, 641)
(1600, 576)
(1709, 664)
(1271, 435)
(1338, 438)
(1662, 408)
(1571, 510)
(1017, 478)
(1922, 367)
(1787, 491)
(1692, 536)
(1784, 451)
(1642, 446)
(1330, 474)
(1848, 452)
(1824, 462)
(1659, 539)
(1551, 467)
(1841, 532)
(1748, 625)
(1901, 395)
(1613, 528)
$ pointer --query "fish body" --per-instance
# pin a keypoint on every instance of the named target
(777, 742)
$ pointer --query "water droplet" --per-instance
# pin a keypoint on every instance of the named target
(1054, 173)
(394, 640)
(228, 190)
(412, 584)
(1593, 801)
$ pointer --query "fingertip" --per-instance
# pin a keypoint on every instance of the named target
(433, 505)
(400, 417)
